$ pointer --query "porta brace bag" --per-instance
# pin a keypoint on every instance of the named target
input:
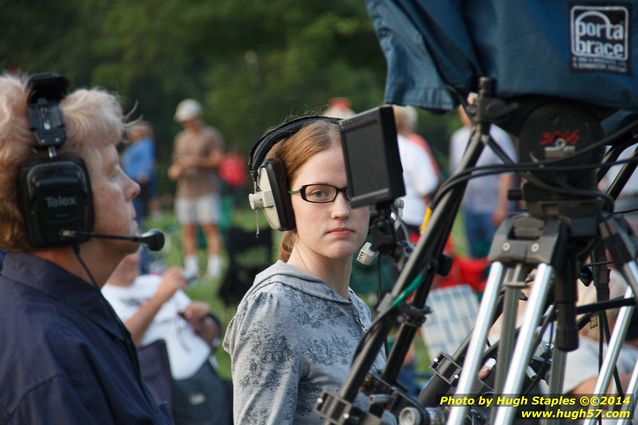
(578, 50)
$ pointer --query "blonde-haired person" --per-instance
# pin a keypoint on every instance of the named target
(64, 358)
(296, 329)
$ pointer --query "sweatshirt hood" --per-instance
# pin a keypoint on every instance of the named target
(290, 276)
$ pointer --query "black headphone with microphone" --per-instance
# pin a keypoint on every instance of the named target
(269, 176)
(54, 194)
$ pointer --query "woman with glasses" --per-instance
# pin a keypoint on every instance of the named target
(297, 328)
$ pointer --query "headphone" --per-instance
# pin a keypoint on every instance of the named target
(269, 176)
(54, 194)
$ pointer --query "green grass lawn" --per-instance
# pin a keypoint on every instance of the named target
(206, 289)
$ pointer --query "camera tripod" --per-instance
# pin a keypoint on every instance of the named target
(553, 239)
(521, 245)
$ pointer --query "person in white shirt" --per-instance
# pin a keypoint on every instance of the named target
(155, 307)
(419, 176)
(485, 204)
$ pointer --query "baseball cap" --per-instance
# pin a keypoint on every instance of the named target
(188, 109)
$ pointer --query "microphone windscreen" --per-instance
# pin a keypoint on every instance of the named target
(153, 239)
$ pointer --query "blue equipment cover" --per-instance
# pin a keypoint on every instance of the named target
(578, 50)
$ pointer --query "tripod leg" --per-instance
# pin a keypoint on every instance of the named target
(566, 338)
(514, 281)
(557, 376)
(525, 343)
(632, 392)
(479, 336)
(613, 350)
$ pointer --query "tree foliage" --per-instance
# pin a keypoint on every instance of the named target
(252, 63)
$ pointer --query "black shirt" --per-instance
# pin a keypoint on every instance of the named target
(63, 357)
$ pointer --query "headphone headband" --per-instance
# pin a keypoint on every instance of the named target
(269, 139)
(46, 90)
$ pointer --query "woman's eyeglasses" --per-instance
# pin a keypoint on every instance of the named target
(319, 193)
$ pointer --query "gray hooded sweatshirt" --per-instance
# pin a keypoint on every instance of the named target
(291, 337)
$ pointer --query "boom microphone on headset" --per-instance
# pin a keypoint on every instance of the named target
(153, 239)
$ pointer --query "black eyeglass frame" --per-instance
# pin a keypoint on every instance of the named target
(302, 191)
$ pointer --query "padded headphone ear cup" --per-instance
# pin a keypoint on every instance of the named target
(55, 195)
(278, 180)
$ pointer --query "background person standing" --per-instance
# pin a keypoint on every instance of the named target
(485, 203)
(419, 177)
(138, 161)
(197, 153)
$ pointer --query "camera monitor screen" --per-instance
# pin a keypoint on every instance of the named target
(371, 154)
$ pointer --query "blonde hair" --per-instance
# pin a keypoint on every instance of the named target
(294, 152)
(93, 119)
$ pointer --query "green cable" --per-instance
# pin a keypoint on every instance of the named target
(407, 291)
